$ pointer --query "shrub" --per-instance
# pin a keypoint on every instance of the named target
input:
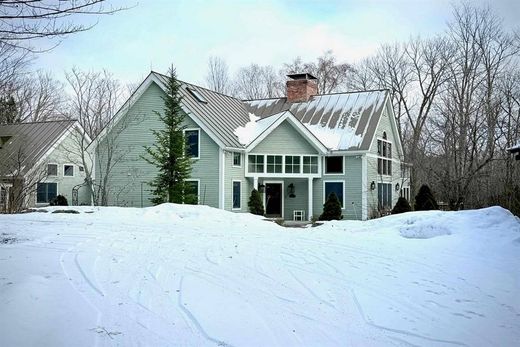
(255, 203)
(60, 200)
(401, 206)
(331, 208)
(424, 200)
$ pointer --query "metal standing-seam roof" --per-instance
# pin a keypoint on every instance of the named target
(27, 143)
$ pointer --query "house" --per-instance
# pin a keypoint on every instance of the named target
(515, 150)
(295, 150)
(39, 161)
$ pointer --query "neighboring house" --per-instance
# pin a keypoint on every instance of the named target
(39, 161)
(295, 150)
(515, 150)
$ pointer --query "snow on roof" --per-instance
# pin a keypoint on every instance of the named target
(256, 126)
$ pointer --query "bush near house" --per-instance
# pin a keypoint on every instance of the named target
(255, 203)
(401, 206)
(331, 208)
(424, 200)
(60, 200)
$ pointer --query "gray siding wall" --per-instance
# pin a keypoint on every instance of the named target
(285, 139)
(129, 179)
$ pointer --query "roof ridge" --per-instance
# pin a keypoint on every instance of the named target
(325, 94)
(42, 121)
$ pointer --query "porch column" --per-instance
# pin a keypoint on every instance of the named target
(255, 182)
(309, 196)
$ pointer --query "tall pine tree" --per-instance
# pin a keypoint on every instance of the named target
(168, 151)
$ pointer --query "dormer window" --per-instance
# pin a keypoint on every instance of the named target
(4, 140)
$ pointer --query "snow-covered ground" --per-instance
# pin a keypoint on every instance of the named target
(192, 275)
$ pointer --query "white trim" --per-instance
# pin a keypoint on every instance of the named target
(198, 187)
(343, 166)
(198, 140)
(334, 181)
(221, 174)
(73, 170)
(283, 174)
(310, 192)
(233, 159)
(302, 130)
(393, 124)
(57, 170)
(364, 188)
(282, 194)
(232, 195)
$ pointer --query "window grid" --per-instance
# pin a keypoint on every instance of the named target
(384, 162)
(292, 164)
(310, 164)
(256, 163)
(237, 159)
(274, 164)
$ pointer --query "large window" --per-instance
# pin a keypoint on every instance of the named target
(237, 188)
(310, 164)
(237, 159)
(384, 160)
(292, 164)
(192, 142)
(405, 193)
(52, 169)
(45, 192)
(274, 164)
(256, 163)
(334, 165)
(336, 187)
(68, 170)
(384, 195)
(192, 193)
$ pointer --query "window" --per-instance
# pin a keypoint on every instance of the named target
(52, 169)
(236, 194)
(237, 159)
(3, 197)
(384, 195)
(192, 195)
(256, 163)
(384, 161)
(68, 170)
(333, 165)
(45, 192)
(334, 187)
(4, 140)
(292, 164)
(192, 142)
(310, 164)
(405, 193)
(197, 95)
(274, 164)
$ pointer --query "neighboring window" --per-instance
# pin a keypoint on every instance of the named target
(384, 160)
(81, 169)
(384, 195)
(68, 170)
(337, 188)
(333, 165)
(405, 193)
(3, 197)
(197, 95)
(274, 164)
(193, 192)
(237, 159)
(256, 163)
(192, 143)
(45, 192)
(52, 169)
(292, 164)
(236, 194)
(310, 164)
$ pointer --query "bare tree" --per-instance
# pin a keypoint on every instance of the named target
(217, 78)
(24, 21)
(255, 82)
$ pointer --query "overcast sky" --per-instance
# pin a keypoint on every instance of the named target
(156, 33)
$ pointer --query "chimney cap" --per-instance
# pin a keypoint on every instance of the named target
(301, 76)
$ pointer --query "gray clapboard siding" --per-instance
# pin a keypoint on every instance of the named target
(285, 139)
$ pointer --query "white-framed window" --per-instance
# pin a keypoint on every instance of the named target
(255, 163)
(405, 193)
(337, 187)
(52, 169)
(334, 165)
(384, 153)
(237, 195)
(68, 170)
(384, 195)
(192, 139)
(237, 159)
(46, 192)
(292, 164)
(193, 193)
(310, 164)
(274, 163)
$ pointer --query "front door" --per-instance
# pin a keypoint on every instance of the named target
(273, 199)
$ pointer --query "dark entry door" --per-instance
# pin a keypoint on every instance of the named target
(273, 199)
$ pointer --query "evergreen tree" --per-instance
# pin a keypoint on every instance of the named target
(331, 208)
(401, 206)
(167, 154)
(255, 203)
(424, 200)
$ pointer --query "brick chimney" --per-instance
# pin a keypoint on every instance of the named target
(301, 86)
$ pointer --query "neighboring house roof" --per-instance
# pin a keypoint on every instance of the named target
(514, 149)
(29, 143)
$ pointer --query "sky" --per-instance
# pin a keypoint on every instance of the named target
(154, 34)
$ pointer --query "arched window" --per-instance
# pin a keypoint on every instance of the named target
(384, 135)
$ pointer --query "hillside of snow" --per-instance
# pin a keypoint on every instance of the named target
(194, 276)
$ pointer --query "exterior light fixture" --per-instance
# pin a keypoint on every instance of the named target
(290, 190)
(397, 187)
(372, 185)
